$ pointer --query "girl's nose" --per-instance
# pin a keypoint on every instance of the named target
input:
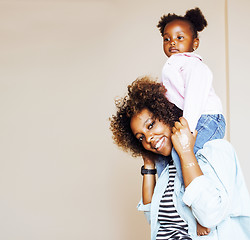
(172, 43)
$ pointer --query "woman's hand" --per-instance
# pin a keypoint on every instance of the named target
(149, 160)
(183, 140)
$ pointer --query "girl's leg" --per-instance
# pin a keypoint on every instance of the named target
(202, 231)
(209, 127)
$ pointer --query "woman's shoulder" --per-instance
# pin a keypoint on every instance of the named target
(220, 145)
(218, 153)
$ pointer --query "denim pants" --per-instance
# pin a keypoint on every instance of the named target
(209, 127)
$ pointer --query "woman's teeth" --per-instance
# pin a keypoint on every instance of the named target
(158, 144)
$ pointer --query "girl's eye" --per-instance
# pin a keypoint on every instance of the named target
(166, 39)
(180, 37)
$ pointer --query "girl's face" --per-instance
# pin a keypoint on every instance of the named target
(178, 38)
(154, 135)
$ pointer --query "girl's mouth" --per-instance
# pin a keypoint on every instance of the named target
(173, 50)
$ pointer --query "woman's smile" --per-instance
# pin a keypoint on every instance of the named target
(160, 144)
(154, 135)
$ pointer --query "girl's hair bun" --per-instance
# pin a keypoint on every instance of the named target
(196, 17)
(193, 16)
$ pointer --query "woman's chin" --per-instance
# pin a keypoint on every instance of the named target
(164, 153)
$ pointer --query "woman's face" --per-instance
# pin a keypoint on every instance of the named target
(154, 135)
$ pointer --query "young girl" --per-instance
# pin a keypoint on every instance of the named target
(189, 81)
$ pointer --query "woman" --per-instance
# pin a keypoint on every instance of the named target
(214, 192)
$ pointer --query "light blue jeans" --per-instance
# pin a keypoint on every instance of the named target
(209, 127)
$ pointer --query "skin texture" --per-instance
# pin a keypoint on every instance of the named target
(178, 38)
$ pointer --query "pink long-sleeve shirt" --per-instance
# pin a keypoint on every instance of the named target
(189, 86)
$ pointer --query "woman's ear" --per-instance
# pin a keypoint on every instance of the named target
(196, 43)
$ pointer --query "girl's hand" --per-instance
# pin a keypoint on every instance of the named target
(183, 140)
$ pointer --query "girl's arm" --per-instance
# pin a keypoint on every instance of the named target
(148, 182)
(183, 142)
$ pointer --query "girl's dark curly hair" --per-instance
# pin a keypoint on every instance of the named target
(193, 16)
(142, 93)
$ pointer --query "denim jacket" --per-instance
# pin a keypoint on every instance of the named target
(219, 199)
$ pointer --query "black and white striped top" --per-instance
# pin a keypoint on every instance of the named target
(172, 226)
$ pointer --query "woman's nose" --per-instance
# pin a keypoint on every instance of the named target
(148, 138)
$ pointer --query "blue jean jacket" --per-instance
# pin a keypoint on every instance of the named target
(219, 199)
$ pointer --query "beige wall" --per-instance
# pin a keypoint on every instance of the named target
(62, 65)
(238, 22)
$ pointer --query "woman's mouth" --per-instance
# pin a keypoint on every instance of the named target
(159, 144)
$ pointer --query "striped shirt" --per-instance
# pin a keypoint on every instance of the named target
(172, 226)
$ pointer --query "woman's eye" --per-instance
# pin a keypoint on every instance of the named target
(140, 139)
(151, 125)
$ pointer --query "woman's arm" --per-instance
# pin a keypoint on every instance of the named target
(207, 190)
(183, 141)
(148, 183)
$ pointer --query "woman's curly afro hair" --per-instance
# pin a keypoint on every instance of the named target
(193, 16)
(143, 93)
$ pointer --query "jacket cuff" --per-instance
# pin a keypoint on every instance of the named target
(194, 189)
(144, 208)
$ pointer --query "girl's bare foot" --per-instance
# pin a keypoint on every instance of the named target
(202, 231)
